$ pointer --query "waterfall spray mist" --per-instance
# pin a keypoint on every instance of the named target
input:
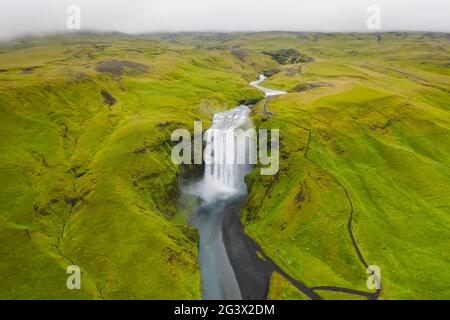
(223, 175)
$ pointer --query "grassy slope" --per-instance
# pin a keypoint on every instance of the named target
(379, 132)
(88, 184)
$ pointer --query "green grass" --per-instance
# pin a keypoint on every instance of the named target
(380, 135)
(90, 184)
(281, 289)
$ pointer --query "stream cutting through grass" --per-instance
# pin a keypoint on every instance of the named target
(232, 265)
(222, 184)
(229, 265)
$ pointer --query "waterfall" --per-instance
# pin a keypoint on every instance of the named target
(223, 176)
(222, 190)
(227, 160)
(222, 184)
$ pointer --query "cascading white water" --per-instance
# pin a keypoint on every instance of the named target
(223, 176)
(222, 186)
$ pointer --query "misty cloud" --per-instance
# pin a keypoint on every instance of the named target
(18, 17)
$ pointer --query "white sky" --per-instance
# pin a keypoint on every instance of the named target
(18, 17)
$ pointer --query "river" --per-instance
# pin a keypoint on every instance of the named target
(232, 265)
(229, 265)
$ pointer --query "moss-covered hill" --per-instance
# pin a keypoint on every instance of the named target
(86, 176)
(368, 134)
(85, 170)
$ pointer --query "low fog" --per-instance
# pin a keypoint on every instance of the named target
(19, 17)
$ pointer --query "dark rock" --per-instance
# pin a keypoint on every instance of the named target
(28, 68)
(309, 86)
(249, 101)
(140, 150)
(386, 125)
(271, 72)
(71, 201)
(288, 56)
(191, 233)
(119, 67)
(78, 175)
(40, 211)
(108, 98)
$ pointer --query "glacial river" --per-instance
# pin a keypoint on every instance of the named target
(223, 190)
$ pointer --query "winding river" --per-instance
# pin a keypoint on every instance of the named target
(230, 261)
(229, 265)
(268, 92)
(222, 184)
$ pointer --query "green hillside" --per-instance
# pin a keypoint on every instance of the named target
(85, 173)
(86, 176)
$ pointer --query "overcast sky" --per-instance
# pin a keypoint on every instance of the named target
(18, 17)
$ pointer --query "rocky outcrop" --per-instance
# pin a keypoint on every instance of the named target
(288, 56)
